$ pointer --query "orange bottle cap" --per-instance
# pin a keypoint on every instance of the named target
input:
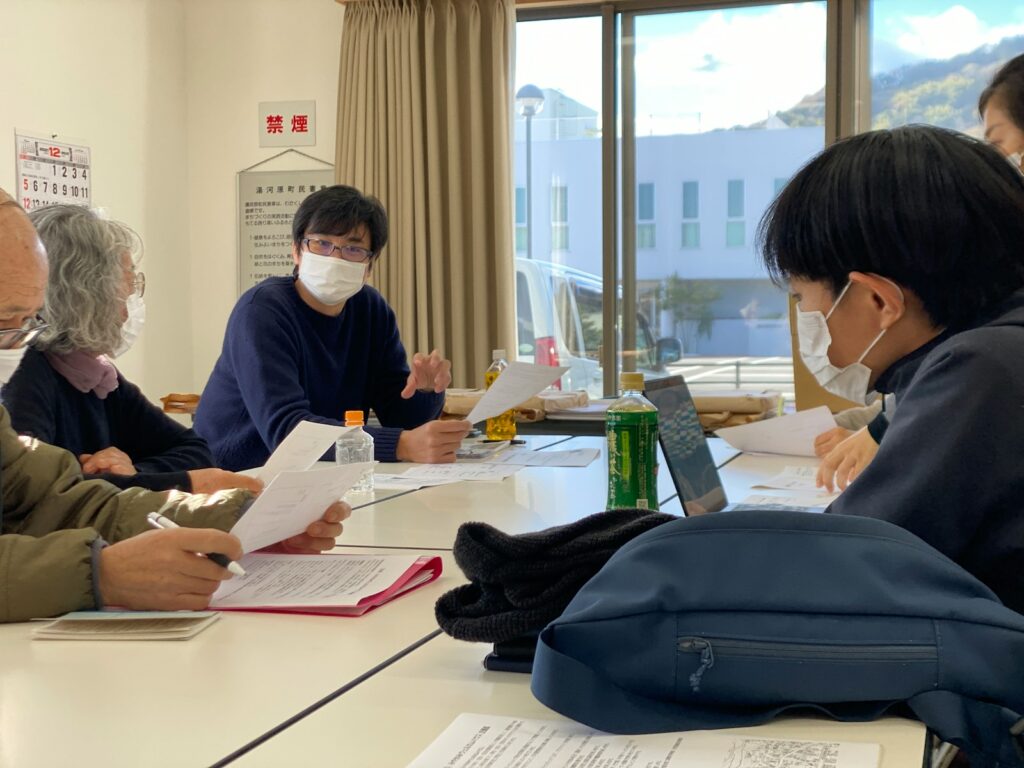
(353, 418)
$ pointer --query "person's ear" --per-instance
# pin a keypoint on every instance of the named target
(296, 254)
(888, 298)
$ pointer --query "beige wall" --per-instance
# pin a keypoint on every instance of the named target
(165, 93)
(111, 74)
(239, 53)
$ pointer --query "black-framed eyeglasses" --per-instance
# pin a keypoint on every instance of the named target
(351, 253)
(12, 338)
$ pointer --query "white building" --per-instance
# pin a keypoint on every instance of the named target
(699, 200)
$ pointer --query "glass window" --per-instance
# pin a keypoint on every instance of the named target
(645, 203)
(645, 236)
(691, 234)
(717, 98)
(691, 201)
(735, 234)
(560, 59)
(735, 199)
(931, 60)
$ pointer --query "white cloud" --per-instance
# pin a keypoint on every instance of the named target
(764, 62)
(734, 67)
(956, 30)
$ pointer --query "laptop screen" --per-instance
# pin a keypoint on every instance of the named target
(686, 450)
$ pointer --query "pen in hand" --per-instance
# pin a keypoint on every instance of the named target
(157, 520)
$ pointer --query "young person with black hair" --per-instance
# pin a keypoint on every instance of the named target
(311, 346)
(846, 452)
(1001, 106)
(902, 249)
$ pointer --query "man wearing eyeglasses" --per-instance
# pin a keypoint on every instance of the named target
(54, 526)
(318, 343)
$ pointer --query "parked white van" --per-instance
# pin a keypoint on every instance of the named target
(559, 312)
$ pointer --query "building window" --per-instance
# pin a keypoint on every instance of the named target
(645, 235)
(691, 214)
(735, 227)
(691, 234)
(521, 233)
(735, 234)
(559, 217)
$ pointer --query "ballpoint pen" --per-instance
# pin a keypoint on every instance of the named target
(157, 520)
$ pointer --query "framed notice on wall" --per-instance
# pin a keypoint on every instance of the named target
(267, 202)
(51, 172)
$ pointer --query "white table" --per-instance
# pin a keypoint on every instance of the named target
(532, 499)
(182, 703)
(195, 702)
(388, 720)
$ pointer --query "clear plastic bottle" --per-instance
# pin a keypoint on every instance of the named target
(501, 427)
(631, 427)
(355, 447)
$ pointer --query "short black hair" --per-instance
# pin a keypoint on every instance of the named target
(934, 210)
(337, 210)
(1007, 87)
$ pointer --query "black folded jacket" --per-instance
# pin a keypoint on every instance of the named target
(520, 583)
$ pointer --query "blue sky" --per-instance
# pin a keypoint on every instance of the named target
(701, 70)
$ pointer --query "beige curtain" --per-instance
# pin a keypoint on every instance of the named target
(424, 124)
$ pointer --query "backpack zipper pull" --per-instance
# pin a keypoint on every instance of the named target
(707, 658)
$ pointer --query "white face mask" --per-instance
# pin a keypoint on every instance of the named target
(331, 281)
(815, 338)
(133, 325)
(10, 359)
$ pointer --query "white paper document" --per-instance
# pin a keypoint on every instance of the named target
(303, 447)
(291, 502)
(491, 741)
(454, 473)
(792, 479)
(274, 581)
(792, 435)
(803, 502)
(402, 483)
(578, 457)
(516, 384)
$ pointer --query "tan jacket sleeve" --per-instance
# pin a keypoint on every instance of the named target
(50, 517)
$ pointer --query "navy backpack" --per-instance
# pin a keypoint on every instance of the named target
(732, 619)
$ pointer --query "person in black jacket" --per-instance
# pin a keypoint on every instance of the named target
(903, 250)
(68, 393)
(1001, 108)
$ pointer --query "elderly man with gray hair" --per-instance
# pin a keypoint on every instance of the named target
(68, 393)
(55, 526)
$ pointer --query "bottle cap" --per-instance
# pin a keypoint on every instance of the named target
(630, 381)
(497, 354)
(353, 418)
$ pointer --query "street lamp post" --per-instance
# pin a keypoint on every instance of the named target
(529, 102)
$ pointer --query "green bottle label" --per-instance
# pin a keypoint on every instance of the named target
(632, 459)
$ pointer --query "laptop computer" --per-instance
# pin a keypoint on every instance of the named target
(689, 460)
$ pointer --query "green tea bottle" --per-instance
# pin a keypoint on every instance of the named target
(631, 427)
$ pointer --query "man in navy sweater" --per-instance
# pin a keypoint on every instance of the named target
(902, 249)
(311, 346)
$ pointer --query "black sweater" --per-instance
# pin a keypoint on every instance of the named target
(43, 404)
(951, 466)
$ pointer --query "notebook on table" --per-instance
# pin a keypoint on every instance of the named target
(328, 584)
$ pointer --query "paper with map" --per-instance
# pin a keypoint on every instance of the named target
(491, 741)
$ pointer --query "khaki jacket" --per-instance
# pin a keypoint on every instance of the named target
(50, 516)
